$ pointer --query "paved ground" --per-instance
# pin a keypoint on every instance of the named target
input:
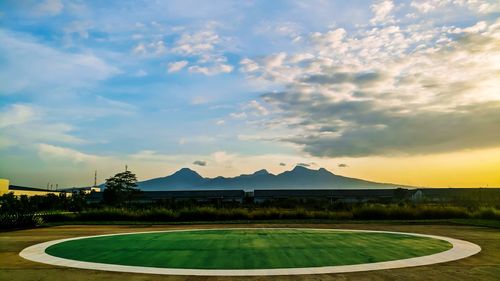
(483, 266)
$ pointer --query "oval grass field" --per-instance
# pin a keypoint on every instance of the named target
(247, 248)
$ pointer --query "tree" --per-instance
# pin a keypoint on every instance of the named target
(120, 188)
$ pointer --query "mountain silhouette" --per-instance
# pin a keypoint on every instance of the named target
(298, 178)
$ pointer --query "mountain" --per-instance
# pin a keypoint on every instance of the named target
(185, 178)
(298, 178)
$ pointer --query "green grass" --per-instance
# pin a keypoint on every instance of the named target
(247, 249)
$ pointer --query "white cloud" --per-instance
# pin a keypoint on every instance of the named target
(377, 82)
(50, 152)
(30, 66)
(257, 108)
(274, 61)
(153, 49)
(205, 48)
(25, 124)
(49, 8)
(141, 73)
(273, 29)
(436, 6)
(153, 156)
(425, 6)
(16, 114)
(211, 70)
(222, 157)
(248, 65)
(197, 43)
(176, 66)
(197, 140)
(382, 12)
(115, 107)
(139, 49)
(80, 28)
(238, 115)
(158, 47)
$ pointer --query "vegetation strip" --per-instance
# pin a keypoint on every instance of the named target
(461, 249)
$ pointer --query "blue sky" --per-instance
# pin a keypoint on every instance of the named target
(240, 85)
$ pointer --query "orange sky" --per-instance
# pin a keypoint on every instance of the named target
(476, 168)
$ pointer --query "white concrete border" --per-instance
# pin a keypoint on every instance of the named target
(461, 249)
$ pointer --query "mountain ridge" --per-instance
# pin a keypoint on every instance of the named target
(298, 178)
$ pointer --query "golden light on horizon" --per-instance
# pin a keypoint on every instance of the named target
(469, 168)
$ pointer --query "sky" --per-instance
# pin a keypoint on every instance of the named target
(403, 92)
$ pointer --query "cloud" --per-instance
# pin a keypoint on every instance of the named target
(16, 114)
(25, 124)
(282, 164)
(391, 90)
(256, 108)
(152, 49)
(200, 163)
(76, 29)
(176, 66)
(238, 115)
(154, 156)
(382, 12)
(342, 165)
(197, 140)
(30, 66)
(426, 6)
(197, 43)
(222, 157)
(205, 49)
(57, 153)
(248, 65)
(273, 29)
(303, 164)
(49, 8)
(432, 6)
(113, 107)
(211, 70)
(140, 49)
(141, 73)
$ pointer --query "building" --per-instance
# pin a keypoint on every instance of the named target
(5, 188)
(195, 195)
(183, 195)
(443, 195)
(344, 195)
(84, 190)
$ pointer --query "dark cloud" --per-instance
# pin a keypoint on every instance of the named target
(306, 164)
(282, 164)
(364, 128)
(360, 79)
(342, 165)
(200, 163)
(403, 101)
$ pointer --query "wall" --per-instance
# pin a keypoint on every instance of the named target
(4, 186)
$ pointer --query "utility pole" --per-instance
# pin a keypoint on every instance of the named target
(126, 167)
(95, 178)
